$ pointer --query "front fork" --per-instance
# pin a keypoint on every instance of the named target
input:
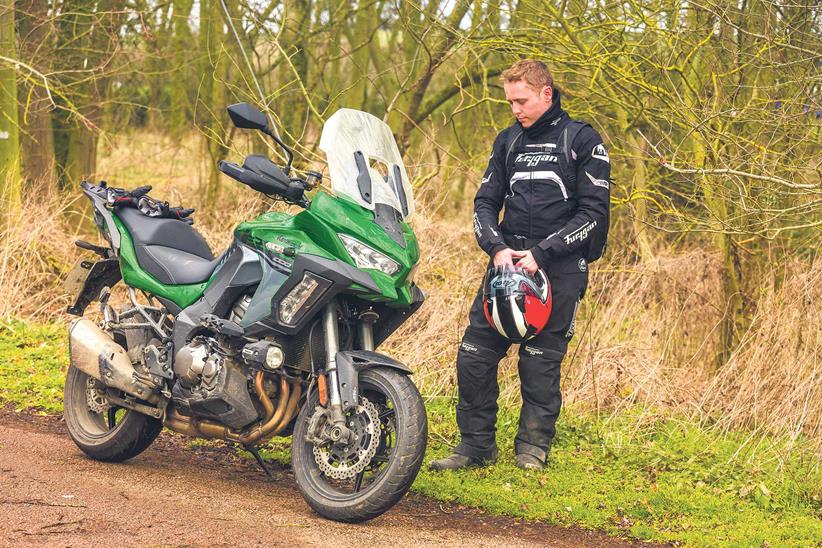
(339, 432)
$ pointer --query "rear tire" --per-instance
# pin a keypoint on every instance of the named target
(401, 452)
(113, 435)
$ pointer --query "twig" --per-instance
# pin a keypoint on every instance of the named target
(723, 171)
(41, 503)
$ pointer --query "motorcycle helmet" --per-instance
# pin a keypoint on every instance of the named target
(516, 303)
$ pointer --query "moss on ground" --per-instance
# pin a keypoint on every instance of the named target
(639, 473)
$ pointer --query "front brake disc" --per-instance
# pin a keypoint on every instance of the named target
(345, 462)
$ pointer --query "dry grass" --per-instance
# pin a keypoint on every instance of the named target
(647, 333)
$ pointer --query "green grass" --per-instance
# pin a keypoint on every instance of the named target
(647, 476)
(33, 362)
(640, 473)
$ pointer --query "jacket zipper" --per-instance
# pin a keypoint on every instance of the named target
(531, 201)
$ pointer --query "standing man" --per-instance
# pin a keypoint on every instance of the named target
(552, 176)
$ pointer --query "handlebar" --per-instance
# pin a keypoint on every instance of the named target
(292, 191)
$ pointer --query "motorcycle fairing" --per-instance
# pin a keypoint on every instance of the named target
(315, 232)
(247, 271)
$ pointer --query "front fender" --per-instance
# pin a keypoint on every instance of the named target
(351, 362)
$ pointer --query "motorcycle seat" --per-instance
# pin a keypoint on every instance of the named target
(172, 251)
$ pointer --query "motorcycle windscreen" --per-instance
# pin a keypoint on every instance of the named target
(365, 163)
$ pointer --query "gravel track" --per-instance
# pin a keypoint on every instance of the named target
(174, 495)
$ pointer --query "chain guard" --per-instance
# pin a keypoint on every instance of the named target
(347, 461)
(96, 396)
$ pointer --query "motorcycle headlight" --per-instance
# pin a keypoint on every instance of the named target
(366, 257)
(300, 299)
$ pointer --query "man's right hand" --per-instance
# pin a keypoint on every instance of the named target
(507, 256)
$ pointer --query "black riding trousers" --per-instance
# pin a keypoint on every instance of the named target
(540, 358)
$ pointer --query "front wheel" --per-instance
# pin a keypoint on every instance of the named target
(364, 479)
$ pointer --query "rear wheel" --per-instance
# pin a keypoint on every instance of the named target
(103, 431)
(362, 480)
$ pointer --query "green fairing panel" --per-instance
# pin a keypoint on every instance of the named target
(315, 230)
(134, 276)
(281, 229)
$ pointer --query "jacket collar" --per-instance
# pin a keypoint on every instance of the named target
(550, 117)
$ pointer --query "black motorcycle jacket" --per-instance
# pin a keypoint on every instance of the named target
(554, 215)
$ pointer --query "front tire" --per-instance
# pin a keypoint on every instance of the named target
(392, 470)
(108, 434)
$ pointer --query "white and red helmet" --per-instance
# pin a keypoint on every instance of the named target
(516, 303)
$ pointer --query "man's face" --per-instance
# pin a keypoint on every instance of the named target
(527, 103)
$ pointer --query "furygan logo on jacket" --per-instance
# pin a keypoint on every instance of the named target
(532, 159)
(581, 233)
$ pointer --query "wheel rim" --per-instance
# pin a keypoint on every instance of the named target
(90, 410)
(360, 484)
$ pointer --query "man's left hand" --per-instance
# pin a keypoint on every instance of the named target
(528, 263)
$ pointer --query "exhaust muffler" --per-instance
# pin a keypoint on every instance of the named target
(95, 353)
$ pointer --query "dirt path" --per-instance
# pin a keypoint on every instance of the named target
(171, 495)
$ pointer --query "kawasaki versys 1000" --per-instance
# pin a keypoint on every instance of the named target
(275, 336)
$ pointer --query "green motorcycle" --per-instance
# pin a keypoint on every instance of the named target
(275, 336)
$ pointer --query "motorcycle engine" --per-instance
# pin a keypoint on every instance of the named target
(211, 385)
(196, 364)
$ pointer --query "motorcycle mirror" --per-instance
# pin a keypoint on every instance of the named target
(247, 117)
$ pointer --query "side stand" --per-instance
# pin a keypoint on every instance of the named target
(253, 450)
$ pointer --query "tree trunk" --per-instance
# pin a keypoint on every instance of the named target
(9, 140)
(439, 50)
(212, 100)
(81, 160)
(179, 103)
(296, 26)
(88, 32)
(36, 135)
(639, 202)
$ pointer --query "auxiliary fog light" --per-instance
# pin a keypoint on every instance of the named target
(300, 299)
(274, 357)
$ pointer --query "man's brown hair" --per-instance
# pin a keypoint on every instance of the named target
(534, 73)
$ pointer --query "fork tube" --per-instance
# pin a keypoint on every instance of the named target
(331, 348)
(367, 335)
(367, 321)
